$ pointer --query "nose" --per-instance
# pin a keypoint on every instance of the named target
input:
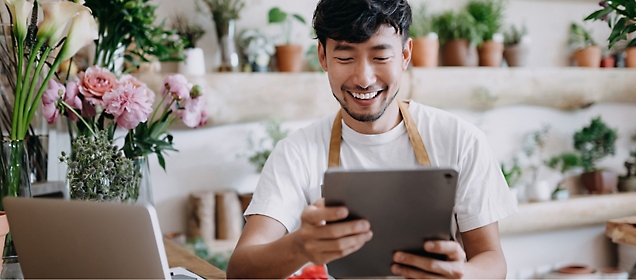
(364, 74)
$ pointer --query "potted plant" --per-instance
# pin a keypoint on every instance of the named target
(516, 49)
(257, 49)
(194, 63)
(622, 21)
(595, 142)
(564, 163)
(512, 176)
(224, 14)
(489, 16)
(425, 41)
(458, 35)
(627, 183)
(586, 52)
(288, 55)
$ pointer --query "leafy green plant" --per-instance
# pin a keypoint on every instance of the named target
(263, 148)
(513, 175)
(224, 10)
(564, 163)
(276, 15)
(621, 18)
(454, 26)
(422, 23)
(595, 142)
(489, 16)
(580, 38)
(131, 25)
(513, 35)
(187, 29)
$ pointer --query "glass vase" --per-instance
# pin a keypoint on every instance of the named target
(225, 31)
(143, 184)
(14, 176)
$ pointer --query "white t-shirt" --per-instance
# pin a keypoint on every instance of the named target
(293, 174)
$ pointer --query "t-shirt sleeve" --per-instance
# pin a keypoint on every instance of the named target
(483, 196)
(279, 194)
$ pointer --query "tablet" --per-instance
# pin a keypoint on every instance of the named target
(405, 208)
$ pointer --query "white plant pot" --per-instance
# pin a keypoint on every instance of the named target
(626, 256)
(194, 63)
(541, 191)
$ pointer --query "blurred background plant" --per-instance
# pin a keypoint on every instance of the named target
(262, 148)
(257, 49)
(286, 21)
(515, 34)
(488, 15)
(457, 25)
(190, 31)
(127, 31)
(580, 37)
(423, 23)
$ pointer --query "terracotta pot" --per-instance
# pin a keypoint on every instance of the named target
(630, 57)
(516, 55)
(588, 57)
(600, 182)
(425, 52)
(459, 53)
(290, 58)
(576, 269)
(491, 54)
(608, 62)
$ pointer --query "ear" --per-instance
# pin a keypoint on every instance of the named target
(322, 56)
(406, 53)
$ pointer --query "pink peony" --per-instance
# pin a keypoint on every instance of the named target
(194, 113)
(96, 82)
(177, 85)
(71, 97)
(50, 98)
(128, 104)
(129, 79)
(50, 112)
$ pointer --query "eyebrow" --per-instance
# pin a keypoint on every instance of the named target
(348, 47)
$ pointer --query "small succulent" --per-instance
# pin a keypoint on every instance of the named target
(98, 170)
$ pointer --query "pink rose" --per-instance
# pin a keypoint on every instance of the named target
(194, 112)
(177, 85)
(96, 82)
(129, 79)
(129, 105)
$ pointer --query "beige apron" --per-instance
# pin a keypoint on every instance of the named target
(411, 129)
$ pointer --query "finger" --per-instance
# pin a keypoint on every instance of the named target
(320, 203)
(327, 257)
(442, 268)
(320, 215)
(413, 273)
(343, 229)
(344, 243)
(451, 249)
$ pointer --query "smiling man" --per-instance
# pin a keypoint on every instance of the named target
(364, 48)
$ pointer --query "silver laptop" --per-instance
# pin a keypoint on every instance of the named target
(77, 239)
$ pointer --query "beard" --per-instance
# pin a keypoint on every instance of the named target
(369, 117)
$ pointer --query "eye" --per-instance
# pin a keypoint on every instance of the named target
(344, 59)
(382, 58)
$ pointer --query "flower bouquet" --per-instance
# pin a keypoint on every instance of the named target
(96, 101)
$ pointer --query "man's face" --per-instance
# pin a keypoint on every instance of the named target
(365, 77)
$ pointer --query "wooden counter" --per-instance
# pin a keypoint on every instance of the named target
(178, 256)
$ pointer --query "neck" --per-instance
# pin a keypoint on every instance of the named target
(390, 119)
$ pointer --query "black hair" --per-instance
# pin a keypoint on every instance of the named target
(355, 21)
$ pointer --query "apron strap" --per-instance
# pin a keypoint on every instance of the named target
(334, 144)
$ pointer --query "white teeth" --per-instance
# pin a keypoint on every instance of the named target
(364, 95)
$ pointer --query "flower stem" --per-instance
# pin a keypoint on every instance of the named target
(18, 89)
(27, 93)
(79, 117)
(37, 98)
(158, 107)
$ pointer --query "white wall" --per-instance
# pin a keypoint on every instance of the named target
(548, 22)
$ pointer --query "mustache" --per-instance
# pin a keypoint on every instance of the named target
(359, 88)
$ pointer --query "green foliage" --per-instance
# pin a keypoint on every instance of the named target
(621, 18)
(580, 38)
(489, 16)
(513, 175)
(187, 29)
(131, 25)
(276, 15)
(514, 34)
(454, 26)
(99, 171)
(422, 23)
(564, 162)
(264, 147)
(595, 142)
(224, 10)
(201, 250)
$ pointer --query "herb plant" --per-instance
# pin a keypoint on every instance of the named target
(454, 26)
(513, 35)
(513, 175)
(595, 142)
(580, 38)
(422, 23)
(489, 16)
(286, 21)
(263, 148)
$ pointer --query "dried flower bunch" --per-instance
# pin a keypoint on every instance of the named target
(99, 170)
(187, 29)
(224, 10)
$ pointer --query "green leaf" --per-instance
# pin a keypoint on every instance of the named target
(599, 14)
(300, 18)
(276, 15)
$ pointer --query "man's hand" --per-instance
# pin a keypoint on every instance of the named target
(321, 242)
(413, 266)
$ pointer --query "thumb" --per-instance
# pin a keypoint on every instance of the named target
(320, 203)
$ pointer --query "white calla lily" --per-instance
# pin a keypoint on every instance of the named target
(83, 31)
(20, 11)
(56, 16)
